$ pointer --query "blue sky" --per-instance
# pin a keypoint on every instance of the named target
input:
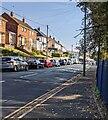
(63, 18)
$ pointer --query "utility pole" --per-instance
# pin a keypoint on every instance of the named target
(47, 43)
(84, 59)
(72, 51)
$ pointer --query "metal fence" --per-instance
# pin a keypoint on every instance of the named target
(102, 80)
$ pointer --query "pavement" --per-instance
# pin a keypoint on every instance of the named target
(75, 101)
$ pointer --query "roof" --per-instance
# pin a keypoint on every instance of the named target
(22, 23)
(39, 33)
(18, 21)
(1, 18)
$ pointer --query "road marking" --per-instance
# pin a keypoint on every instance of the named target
(39, 104)
(9, 107)
(22, 111)
(2, 81)
(28, 75)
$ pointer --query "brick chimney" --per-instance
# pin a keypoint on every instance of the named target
(11, 14)
(39, 28)
(23, 19)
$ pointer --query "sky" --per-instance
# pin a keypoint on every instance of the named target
(63, 18)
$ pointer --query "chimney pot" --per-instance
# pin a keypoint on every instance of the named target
(11, 14)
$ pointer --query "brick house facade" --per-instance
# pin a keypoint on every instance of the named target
(24, 35)
(2, 31)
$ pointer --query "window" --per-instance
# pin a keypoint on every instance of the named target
(31, 41)
(24, 40)
(24, 29)
(31, 32)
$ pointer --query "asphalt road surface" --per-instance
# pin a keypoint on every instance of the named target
(19, 88)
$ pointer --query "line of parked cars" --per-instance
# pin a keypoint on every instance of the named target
(16, 63)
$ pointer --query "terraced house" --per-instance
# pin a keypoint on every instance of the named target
(55, 46)
(41, 41)
(2, 31)
(20, 34)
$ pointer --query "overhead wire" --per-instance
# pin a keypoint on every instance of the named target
(23, 16)
(60, 13)
(38, 22)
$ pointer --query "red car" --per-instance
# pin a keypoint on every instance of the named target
(47, 63)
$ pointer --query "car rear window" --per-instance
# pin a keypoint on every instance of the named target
(6, 59)
(41, 61)
(51, 60)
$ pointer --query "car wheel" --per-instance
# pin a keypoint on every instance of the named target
(15, 68)
(26, 68)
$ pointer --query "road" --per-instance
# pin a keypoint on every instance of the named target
(19, 88)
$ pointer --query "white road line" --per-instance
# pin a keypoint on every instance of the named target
(2, 81)
(9, 107)
(24, 114)
(28, 75)
(40, 103)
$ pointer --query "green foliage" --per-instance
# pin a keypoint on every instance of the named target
(12, 52)
(36, 52)
(97, 92)
(97, 27)
(65, 54)
(55, 54)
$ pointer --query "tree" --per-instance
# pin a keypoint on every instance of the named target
(97, 27)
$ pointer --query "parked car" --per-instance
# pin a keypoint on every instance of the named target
(55, 63)
(35, 64)
(14, 63)
(69, 62)
(62, 62)
(47, 63)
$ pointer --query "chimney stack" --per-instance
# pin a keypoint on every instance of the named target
(11, 14)
(23, 19)
(39, 28)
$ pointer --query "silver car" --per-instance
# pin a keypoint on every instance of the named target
(14, 63)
